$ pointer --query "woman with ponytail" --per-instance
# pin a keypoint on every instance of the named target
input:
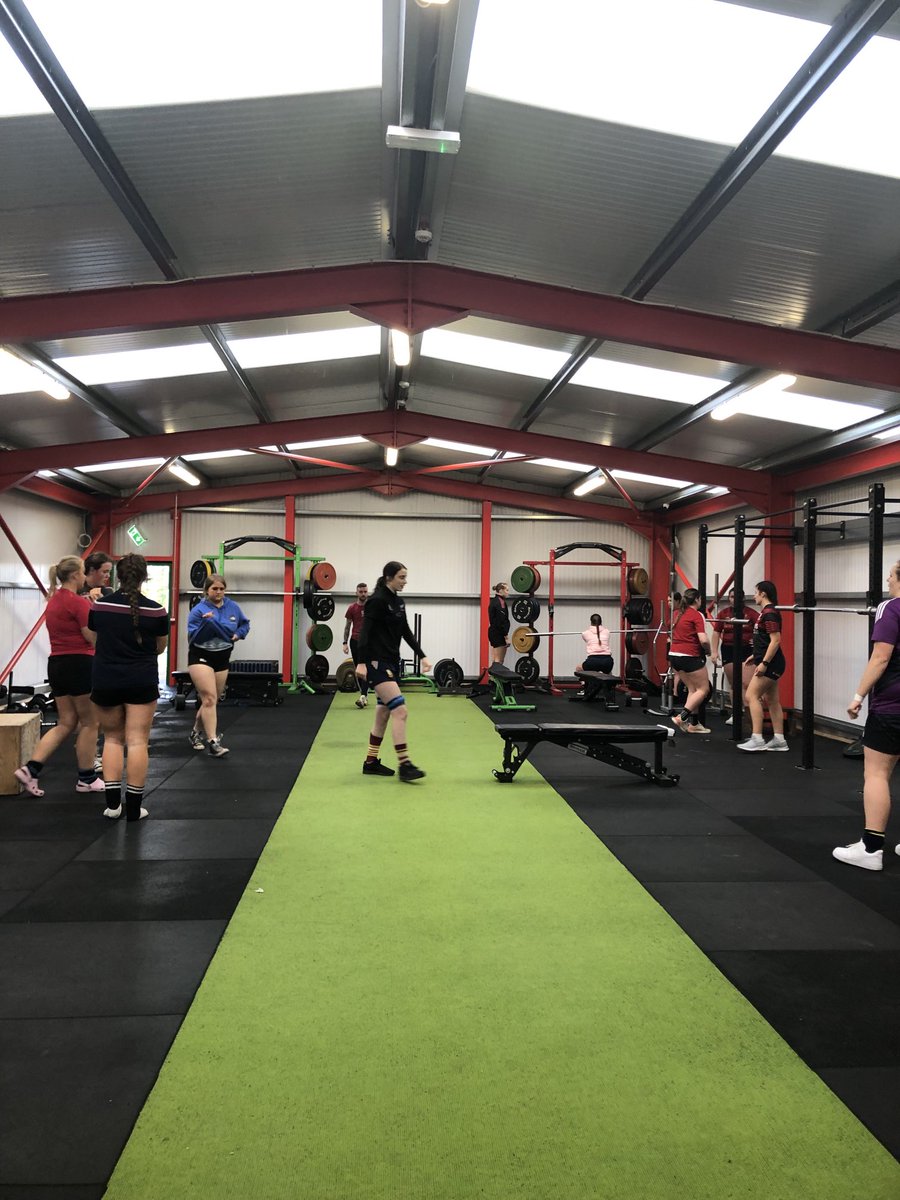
(596, 644)
(687, 655)
(69, 673)
(384, 624)
(132, 630)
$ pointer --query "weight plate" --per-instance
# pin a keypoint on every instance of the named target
(322, 607)
(637, 641)
(525, 640)
(323, 576)
(308, 636)
(194, 601)
(526, 610)
(448, 673)
(345, 677)
(320, 638)
(201, 569)
(523, 578)
(309, 591)
(537, 579)
(528, 670)
(634, 668)
(638, 581)
(638, 611)
(317, 668)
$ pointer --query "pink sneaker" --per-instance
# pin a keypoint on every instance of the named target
(96, 785)
(28, 781)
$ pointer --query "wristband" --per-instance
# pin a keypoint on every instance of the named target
(857, 698)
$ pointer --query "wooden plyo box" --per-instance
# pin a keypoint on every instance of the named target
(19, 734)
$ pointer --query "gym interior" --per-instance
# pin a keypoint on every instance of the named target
(291, 333)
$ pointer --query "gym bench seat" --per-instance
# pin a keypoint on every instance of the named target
(600, 687)
(602, 742)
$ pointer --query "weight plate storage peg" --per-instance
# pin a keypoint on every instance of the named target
(526, 610)
(638, 611)
(201, 569)
(322, 607)
(638, 582)
(525, 640)
(323, 576)
(345, 677)
(528, 670)
(317, 668)
(524, 578)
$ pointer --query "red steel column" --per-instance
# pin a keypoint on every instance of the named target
(176, 590)
(486, 532)
(287, 635)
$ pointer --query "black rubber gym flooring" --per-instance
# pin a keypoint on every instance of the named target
(104, 939)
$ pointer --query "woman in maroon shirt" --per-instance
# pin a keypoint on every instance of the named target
(69, 672)
(687, 655)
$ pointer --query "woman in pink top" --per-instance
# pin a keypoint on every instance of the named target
(596, 644)
(69, 673)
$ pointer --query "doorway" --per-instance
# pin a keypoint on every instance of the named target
(159, 588)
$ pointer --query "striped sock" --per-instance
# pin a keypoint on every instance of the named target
(402, 752)
(374, 747)
(133, 798)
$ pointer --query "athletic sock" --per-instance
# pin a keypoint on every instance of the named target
(374, 747)
(872, 840)
(87, 776)
(34, 768)
(402, 752)
(113, 794)
(685, 714)
(133, 798)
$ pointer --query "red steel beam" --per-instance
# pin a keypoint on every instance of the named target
(429, 293)
(865, 462)
(317, 486)
(49, 489)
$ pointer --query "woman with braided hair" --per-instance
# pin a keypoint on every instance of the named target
(132, 631)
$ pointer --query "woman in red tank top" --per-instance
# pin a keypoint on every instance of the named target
(687, 655)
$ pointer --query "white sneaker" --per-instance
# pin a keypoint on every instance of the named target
(777, 743)
(730, 721)
(113, 813)
(698, 729)
(858, 856)
(754, 742)
(362, 702)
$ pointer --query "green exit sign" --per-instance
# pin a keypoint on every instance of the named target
(136, 534)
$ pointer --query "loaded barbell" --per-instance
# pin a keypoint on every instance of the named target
(526, 640)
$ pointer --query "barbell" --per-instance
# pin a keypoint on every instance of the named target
(526, 640)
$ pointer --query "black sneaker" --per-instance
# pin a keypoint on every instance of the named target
(377, 768)
(409, 772)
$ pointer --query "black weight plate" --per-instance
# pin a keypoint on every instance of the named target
(345, 677)
(526, 610)
(527, 669)
(634, 668)
(201, 569)
(194, 601)
(309, 591)
(638, 611)
(317, 668)
(440, 671)
(454, 674)
(322, 607)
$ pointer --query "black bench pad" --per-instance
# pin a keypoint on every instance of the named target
(599, 733)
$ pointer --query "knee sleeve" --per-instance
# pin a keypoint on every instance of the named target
(395, 703)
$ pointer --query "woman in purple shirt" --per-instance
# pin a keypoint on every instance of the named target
(881, 739)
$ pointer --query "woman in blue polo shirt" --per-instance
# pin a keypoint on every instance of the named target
(214, 625)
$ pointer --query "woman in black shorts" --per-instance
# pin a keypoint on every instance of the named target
(69, 673)
(132, 631)
(768, 659)
(498, 623)
(384, 624)
(214, 625)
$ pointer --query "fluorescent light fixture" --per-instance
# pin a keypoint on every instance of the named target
(136, 534)
(123, 465)
(113, 57)
(432, 141)
(391, 456)
(400, 347)
(47, 474)
(687, 55)
(634, 380)
(589, 485)
(461, 447)
(636, 477)
(717, 491)
(181, 472)
(469, 350)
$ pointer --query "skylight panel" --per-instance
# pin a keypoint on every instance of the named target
(635, 477)
(461, 447)
(128, 366)
(124, 464)
(559, 464)
(708, 71)
(18, 92)
(634, 380)
(326, 344)
(209, 455)
(797, 409)
(112, 52)
(492, 354)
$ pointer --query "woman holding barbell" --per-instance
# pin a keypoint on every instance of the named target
(687, 655)
(881, 737)
(498, 623)
(384, 624)
(214, 625)
(768, 659)
(596, 644)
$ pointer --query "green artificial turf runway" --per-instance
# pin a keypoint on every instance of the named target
(452, 990)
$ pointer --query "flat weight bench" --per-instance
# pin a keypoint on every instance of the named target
(600, 687)
(505, 681)
(602, 742)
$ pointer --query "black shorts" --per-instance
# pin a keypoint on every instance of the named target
(496, 638)
(70, 674)
(882, 733)
(775, 668)
(116, 697)
(598, 662)
(686, 664)
(726, 653)
(217, 659)
(382, 672)
(354, 650)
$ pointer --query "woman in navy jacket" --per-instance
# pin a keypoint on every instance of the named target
(214, 625)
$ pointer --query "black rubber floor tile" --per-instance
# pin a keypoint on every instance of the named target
(20, 1191)
(768, 802)
(195, 890)
(184, 839)
(703, 859)
(10, 900)
(661, 812)
(774, 916)
(178, 804)
(70, 1091)
(50, 970)
(230, 774)
(873, 1094)
(52, 819)
(835, 1008)
(28, 863)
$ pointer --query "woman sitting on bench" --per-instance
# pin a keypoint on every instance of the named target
(596, 643)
